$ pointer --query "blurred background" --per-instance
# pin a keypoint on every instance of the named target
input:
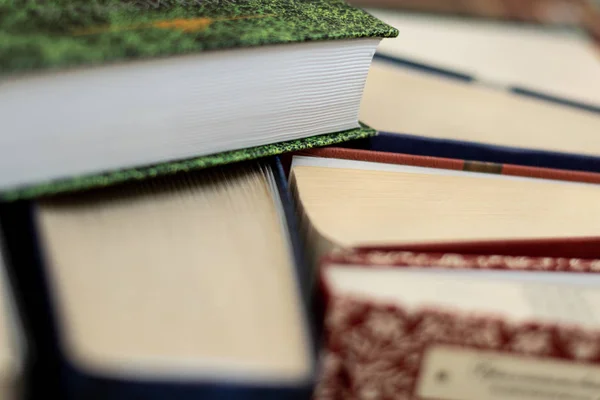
(579, 13)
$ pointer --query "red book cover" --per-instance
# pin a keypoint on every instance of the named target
(452, 164)
(439, 325)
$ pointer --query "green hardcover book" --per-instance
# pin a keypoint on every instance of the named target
(94, 92)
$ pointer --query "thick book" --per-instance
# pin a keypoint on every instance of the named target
(430, 114)
(347, 203)
(443, 325)
(95, 88)
(184, 287)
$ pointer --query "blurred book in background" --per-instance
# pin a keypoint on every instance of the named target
(562, 12)
(485, 90)
(583, 14)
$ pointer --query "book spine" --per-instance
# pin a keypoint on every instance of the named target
(457, 149)
(454, 164)
(576, 247)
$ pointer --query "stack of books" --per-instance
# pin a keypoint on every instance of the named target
(294, 199)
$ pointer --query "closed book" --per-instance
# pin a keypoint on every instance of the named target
(403, 324)
(371, 200)
(113, 87)
(494, 92)
(429, 114)
(188, 287)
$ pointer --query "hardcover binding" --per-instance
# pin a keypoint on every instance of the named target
(401, 257)
(90, 35)
(56, 374)
(575, 248)
(381, 350)
(111, 178)
(452, 164)
(447, 148)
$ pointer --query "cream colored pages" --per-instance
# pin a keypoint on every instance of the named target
(400, 100)
(558, 62)
(511, 299)
(367, 207)
(11, 351)
(476, 368)
(190, 277)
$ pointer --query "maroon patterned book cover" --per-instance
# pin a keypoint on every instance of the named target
(379, 348)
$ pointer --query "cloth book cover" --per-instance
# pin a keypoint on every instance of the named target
(437, 323)
(127, 89)
(266, 341)
(482, 152)
(44, 36)
(166, 169)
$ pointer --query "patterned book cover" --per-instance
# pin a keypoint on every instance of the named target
(453, 164)
(38, 35)
(380, 349)
(579, 247)
(127, 175)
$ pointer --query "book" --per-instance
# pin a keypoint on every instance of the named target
(428, 114)
(184, 287)
(13, 347)
(551, 12)
(556, 65)
(348, 203)
(343, 153)
(96, 88)
(425, 325)
(107, 179)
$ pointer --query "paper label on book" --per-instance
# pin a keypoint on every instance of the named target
(452, 373)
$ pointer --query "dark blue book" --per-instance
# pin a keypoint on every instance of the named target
(426, 111)
(187, 287)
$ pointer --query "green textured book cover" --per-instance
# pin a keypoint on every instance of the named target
(40, 35)
(112, 178)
